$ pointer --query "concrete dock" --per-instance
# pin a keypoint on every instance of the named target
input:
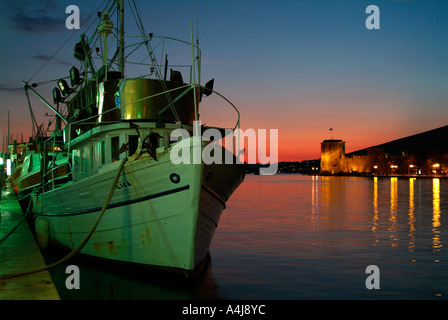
(20, 252)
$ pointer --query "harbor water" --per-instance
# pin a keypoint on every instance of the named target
(295, 237)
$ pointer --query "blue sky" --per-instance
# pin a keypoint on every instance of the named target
(298, 66)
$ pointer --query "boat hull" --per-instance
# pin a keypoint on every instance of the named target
(29, 177)
(161, 214)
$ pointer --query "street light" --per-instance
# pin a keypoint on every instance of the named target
(435, 167)
(393, 167)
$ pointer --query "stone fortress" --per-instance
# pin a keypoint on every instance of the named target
(420, 154)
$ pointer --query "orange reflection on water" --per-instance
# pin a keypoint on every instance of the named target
(411, 212)
(314, 198)
(414, 208)
(375, 204)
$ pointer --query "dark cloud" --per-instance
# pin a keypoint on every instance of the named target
(37, 24)
(7, 88)
(44, 58)
(36, 16)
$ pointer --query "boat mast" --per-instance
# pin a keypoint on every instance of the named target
(196, 118)
(121, 37)
(7, 142)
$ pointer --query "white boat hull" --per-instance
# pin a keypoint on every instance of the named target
(161, 214)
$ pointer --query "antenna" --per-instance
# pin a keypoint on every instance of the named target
(197, 23)
(197, 43)
(121, 37)
(7, 143)
(194, 75)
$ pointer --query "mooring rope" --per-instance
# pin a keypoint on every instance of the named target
(18, 224)
(81, 245)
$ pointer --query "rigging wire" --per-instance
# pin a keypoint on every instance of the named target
(139, 22)
(66, 41)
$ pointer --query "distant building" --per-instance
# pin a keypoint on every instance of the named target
(331, 156)
(423, 153)
(334, 160)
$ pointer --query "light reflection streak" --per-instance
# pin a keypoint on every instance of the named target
(375, 204)
(411, 213)
(314, 198)
(375, 218)
(436, 241)
(393, 212)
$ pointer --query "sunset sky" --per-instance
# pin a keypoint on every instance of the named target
(299, 66)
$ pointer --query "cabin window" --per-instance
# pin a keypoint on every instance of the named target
(103, 152)
(115, 148)
(133, 144)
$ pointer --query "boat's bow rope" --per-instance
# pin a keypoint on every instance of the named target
(18, 224)
(83, 242)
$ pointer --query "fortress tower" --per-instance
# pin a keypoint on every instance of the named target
(332, 152)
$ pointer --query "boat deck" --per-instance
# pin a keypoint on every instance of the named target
(20, 252)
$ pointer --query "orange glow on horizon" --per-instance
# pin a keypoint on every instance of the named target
(300, 130)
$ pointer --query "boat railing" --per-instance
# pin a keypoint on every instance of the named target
(52, 174)
(49, 174)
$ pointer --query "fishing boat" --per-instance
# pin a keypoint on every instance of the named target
(27, 174)
(124, 191)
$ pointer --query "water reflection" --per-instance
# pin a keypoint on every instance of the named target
(333, 197)
(375, 198)
(314, 198)
(310, 237)
(375, 211)
(436, 240)
(411, 214)
(323, 228)
(393, 212)
(104, 280)
(415, 208)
